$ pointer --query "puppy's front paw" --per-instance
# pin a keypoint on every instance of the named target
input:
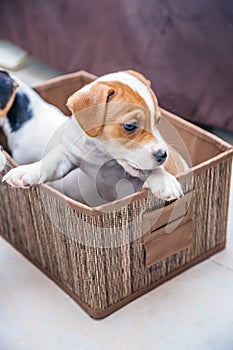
(24, 176)
(164, 186)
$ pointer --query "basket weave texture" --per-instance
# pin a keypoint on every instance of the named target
(99, 257)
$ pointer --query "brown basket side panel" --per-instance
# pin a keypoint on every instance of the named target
(56, 91)
(209, 232)
(103, 276)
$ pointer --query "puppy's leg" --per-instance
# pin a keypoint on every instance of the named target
(163, 185)
(24, 176)
(3, 160)
(52, 167)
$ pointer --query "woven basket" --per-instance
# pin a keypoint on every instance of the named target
(106, 257)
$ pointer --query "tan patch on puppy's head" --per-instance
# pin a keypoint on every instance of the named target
(132, 107)
(127, 106)
(103, 103)
(124, 94)
(103, 107)
(89, 107)
(133, 140)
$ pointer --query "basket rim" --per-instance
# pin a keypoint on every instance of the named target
(109, 207)
(64, 78)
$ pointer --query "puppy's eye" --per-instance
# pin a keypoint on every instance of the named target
(130, 127)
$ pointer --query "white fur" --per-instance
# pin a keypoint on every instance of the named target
(163, 184)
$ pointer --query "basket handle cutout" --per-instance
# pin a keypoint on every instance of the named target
(168, 230)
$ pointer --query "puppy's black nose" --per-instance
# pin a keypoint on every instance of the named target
(160, 156)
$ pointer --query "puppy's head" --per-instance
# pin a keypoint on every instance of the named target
(8, 88)
(122, 111)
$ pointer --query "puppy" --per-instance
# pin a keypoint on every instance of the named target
(27, 120)
(112, 140)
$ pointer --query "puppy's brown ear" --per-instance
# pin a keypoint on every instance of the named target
(140, 77)
(89, 106)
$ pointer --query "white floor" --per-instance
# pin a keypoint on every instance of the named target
(193, 311)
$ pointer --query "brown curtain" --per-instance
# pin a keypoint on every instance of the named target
(184, 47)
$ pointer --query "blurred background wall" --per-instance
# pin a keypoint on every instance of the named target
(184, 47)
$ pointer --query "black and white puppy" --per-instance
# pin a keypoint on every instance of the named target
(26, 119)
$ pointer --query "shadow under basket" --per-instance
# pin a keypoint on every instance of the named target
(106, 257)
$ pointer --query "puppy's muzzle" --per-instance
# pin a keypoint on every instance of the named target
(160, 156)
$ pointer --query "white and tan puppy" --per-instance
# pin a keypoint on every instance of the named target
(112, 136)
